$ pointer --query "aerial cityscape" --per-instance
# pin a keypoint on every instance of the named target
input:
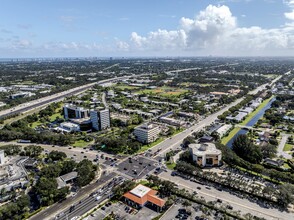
(163, 110)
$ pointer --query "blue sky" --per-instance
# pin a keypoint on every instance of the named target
(39, 28)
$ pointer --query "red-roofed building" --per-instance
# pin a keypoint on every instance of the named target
(142, 195)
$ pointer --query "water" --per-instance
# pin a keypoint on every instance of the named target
(252, 122)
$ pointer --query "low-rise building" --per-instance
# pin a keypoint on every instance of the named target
(205, 154)
(142, 195)
(172, 121)
(21, 95)
(146, 133)
(66, 178)
(68, 127)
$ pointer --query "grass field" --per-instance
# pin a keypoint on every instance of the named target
(164, 91)
(82, 143)
(170, 165)
(52, 118)
(288, 147)
(147, 146)
(226, 139)
(124, 87)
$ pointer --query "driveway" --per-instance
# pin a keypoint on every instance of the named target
(281, 147)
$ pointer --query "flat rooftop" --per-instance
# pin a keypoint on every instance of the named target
(140, 191)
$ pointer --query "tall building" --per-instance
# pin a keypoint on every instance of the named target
(100, 119)
(72, 111)
(146, 133)
(2, 157)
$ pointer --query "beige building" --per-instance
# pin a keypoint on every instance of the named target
(146, 133)
(205, 154)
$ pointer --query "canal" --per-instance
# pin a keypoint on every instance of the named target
(252, 122)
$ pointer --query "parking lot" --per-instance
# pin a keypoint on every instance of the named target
(122, 212)
(137, 167)
(195, 211)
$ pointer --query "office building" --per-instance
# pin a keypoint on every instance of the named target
(100, 119)
(205, 154)
(72, 111)
(2, 157)
(146, 133)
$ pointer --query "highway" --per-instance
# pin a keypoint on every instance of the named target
(52, 98)
(90, 202)
(51, 211)
(212, 194)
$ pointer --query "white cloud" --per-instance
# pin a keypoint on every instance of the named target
(214, 31)
(290, 4)
(21, 44)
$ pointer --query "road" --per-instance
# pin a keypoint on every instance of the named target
(176, 140)
(52, 98)
(212, 194)
(104, 100)
(90, 202)
(280, 148)
(51, 211)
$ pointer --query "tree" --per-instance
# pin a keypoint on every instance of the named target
(86, 172)
(245, 149)
(286, 195)
(188, 140)
(268, 151)
(68, 166)
(33, 150)
(56, 155)
(46, 188)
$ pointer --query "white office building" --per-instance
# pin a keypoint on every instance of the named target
(100, 119)
(2, 157)
(147, 133)
(69, 127)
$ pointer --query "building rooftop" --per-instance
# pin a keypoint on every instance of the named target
(69, 176)
(146, 126)
(140, 191)
(204, 149)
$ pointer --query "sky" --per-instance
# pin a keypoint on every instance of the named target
(103, 28)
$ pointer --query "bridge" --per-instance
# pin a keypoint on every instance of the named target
(252, 128)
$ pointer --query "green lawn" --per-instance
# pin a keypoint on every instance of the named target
(226, 139)
(54, 116)
(170, 165)
(147, 146)
(82, 143)
(288, 147)
(252, 114)
(164, 91)
(123, 87)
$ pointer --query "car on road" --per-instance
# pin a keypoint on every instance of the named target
(198, 187)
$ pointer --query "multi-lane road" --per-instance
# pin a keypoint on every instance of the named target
(52, 98)
(82, 195)
(212, 194)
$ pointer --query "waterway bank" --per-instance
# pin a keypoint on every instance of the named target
(250, 120)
